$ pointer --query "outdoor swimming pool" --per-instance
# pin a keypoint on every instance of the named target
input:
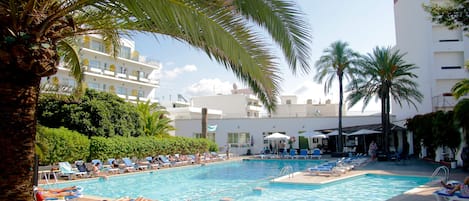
(238, 179)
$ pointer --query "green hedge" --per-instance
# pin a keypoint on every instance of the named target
(64, 145)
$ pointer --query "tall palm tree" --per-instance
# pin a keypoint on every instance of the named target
(384, 74)
(337, 63)
(33, 30)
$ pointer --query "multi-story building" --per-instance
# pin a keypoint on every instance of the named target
(128, 75)
(438, 52)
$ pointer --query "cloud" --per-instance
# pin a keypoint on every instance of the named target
(206, 87)
(175, 72)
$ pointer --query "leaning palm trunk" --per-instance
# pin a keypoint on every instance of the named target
(19, 91)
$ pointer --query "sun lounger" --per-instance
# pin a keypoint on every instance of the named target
(112, 169)
(324, 170)
(67, 170)
(152, 163)
(442, 195)
(164, 161)
(129, 165)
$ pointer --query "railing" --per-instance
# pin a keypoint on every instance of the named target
(287, 170)
(439, 171)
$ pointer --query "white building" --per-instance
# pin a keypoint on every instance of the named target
(128, 75)
(242, 134)
(289, 107)
(241, 103)
(438, 52)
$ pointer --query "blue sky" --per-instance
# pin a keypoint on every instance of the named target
(364, 24)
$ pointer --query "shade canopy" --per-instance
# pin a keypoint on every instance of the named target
(335, 132)
(277, 136)
(310, 134)
(364, 132)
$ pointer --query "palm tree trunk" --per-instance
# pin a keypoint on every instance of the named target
(204, 122)
(341, 94)
(383, 119)
(388, 120)
(19, 92)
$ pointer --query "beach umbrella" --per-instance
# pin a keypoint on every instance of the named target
(311, 135)
(277, 137)
(363, 132)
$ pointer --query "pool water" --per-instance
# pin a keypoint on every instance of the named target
(238, 179)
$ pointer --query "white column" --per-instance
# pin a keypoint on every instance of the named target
(410, 140)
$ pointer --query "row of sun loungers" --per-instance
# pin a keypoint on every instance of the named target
(111, 166)
(315, 154)
(337, 168)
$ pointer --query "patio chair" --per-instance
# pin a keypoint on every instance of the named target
(303, 154)
(316, 153)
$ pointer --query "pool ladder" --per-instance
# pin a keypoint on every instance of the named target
(441, 171)
(287, 170)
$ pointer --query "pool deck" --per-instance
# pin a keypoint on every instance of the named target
(414, 167)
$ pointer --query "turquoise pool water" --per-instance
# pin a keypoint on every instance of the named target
(238, 179)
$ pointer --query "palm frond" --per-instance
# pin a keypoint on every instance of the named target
(283, 20)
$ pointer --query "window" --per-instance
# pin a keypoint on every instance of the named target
(141, 93)
(125, 52)
(95, 64)
(122, 90)
(210, 136)
(97, 45)
(122, 70)
(94, 85)
(239, 139)
(450, 67)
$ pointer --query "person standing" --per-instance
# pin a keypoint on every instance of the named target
(372, 150)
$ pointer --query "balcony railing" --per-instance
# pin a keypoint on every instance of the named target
(122, 75)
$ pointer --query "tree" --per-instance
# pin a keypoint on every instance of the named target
(461, 88)
(336, 63)
(461, 116)
(32, 31)
(155, 121)
(454, 14)
(384, 74)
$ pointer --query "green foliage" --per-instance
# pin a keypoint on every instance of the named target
(98, 114)
(61, 144)
(436, 129)
(154, 119)
(303, 142)
(453, 15)
(461, 116)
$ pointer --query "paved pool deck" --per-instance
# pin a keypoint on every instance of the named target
(415, 167)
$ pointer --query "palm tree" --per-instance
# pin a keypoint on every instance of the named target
(337, 62)
(32, 31)
(384, 73)
(461, 88)
(154, 117)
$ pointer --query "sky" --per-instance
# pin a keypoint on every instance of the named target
(363, 24)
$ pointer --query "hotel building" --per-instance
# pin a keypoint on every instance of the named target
(438, 52)
(129, 75)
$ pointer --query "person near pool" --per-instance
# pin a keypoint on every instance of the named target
(372, 150)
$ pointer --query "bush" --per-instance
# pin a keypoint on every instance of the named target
(61, 144)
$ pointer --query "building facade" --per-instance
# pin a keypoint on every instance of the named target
(129, 75)
(438, 52)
